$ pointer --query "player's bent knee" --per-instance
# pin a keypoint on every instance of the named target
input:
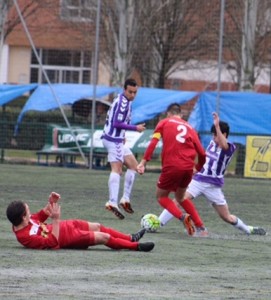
(94, 226)
(101, 238)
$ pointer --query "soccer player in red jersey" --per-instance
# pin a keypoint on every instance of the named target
(181, 146)
(210, 180)
(32, 232)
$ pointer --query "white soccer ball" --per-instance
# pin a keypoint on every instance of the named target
(150, 222)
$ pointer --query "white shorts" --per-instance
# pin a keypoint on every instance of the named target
(211, 192)
(116, 151)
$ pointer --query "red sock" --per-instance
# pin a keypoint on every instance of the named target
(115, 233)
(190, 208)
(168, 204)
(117, 243)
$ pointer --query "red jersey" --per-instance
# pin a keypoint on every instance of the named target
(181, 144)
(38, 235)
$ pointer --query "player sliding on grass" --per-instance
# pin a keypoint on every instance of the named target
(209, 181)
(181, 146)
(32, 232)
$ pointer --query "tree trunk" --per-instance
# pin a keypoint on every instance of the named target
(248, 45)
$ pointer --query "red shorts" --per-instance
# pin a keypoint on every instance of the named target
(75, 234)
(173, 178)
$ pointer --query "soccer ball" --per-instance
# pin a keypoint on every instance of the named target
(150, 222)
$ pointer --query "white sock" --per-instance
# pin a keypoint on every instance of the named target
(129, 179)
(113, 185)
(242, 226)
(165, 217)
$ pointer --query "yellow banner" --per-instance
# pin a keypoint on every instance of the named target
(258, 157)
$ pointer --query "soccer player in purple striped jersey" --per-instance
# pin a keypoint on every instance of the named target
(113, 137)
(210, 180)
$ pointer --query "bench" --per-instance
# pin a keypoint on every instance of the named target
(61, 144)
(69, 158)
(61, 149)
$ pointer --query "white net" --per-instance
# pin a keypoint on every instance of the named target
(172, 44)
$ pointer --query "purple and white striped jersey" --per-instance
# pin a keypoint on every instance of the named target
(216, 163)
(118, 120)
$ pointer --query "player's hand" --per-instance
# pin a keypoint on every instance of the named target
(140, 127)
(195, 170)
(54, 197)
(140, 169)
(216, 118)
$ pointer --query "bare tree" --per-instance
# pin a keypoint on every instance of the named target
(247, 40)
(151, 37)
(173, 32)
(3, 16)
(248, 44)
(157, 37)
(119, 31)
(10, 19)
(28, 8)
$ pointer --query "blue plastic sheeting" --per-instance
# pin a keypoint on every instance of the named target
(150, 102)
(247, 113)
(43, 98)
(9, 92)
(47, 98)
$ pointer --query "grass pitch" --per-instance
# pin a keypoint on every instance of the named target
(226, 265)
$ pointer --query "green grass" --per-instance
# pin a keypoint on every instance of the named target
(30, 157)
(23, 154)
(227, 265)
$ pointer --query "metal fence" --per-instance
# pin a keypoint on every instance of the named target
(179, 44)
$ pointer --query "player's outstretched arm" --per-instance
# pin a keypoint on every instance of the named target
(140, 127)
(55, 216)
(221, 138)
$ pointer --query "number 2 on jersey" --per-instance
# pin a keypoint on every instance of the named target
(180, 137)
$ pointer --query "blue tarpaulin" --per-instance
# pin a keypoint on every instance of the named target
(47, 98)
(43, 98)
(247, 113)
(9, 92)
(150, 102)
